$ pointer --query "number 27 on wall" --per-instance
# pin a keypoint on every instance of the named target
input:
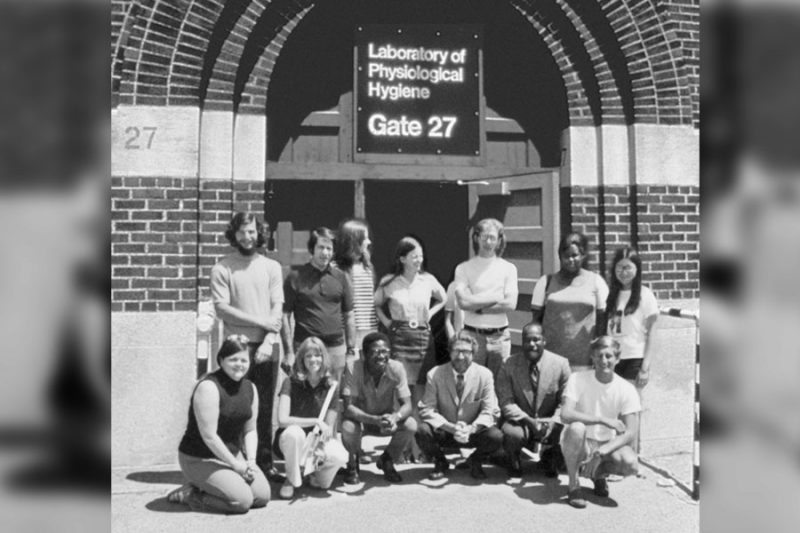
(132, 134)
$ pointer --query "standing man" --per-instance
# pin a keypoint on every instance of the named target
(486, 289)
(377, 401)
(601, 416)
(529, 389)
(320, 297)
(459, 409)
(247, 291)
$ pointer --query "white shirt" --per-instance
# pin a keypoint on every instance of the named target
(609, 400)
(629, 330)
(482, 274)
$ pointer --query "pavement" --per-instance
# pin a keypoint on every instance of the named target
(656, 501)
(648, 503)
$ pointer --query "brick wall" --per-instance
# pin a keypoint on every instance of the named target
(157, 231)
(663, 221)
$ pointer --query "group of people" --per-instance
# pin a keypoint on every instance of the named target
(359, 359)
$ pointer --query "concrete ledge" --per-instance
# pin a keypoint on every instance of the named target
(152, 374)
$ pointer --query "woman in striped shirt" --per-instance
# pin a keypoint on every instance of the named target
(353, 258)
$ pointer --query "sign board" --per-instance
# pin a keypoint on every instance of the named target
(417, 90)
(155, 141)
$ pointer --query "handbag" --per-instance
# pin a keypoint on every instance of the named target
(313, 453)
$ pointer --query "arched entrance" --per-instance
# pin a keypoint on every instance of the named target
(312, 178)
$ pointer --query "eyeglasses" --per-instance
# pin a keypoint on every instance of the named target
(463, 352)
(380, 352)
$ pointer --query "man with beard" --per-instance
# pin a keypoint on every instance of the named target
(373, 385)
(459, 409)
(247, 291)
(529, 389)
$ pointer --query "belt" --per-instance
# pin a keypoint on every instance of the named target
(485, 331)
(413, 324)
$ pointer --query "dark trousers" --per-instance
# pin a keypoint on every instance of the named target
(263, 376)
(432, 441)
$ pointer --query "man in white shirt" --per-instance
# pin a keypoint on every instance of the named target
(600, 412)
(486, 289)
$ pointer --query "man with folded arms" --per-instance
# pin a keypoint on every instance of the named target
(486, 289)
(529, 389)
(373, 385)
(459, 409)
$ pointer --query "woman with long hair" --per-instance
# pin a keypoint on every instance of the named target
(632, 313)
(300, 401)
(352, 256)
(403, 305)
(217, 454)
(570, 304)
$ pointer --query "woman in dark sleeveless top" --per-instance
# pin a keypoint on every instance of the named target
(218, 451)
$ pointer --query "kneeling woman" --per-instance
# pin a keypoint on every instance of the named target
(301, 399)
(222, 418)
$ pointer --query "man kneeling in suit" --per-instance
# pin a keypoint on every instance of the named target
(529, 388)
(459, 409)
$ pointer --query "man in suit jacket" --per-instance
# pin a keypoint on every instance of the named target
(529, 388)
(459, 409)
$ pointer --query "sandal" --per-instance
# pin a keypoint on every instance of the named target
(181, 494)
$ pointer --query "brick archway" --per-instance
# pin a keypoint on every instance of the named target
(622, 62)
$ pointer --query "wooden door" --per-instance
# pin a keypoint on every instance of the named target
(527, 205)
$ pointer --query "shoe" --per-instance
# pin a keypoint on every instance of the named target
(549, 463)
(351, 473)
(514, 467)
(181, 494)
(476, 469)
(575, 500)
(272, 473)
(440, 466)
(600, 487)
(386, 464)
(287, 490)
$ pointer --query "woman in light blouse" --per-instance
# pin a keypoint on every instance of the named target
(406, 294)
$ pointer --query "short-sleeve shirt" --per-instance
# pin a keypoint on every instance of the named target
(360, 387)
(410, 301)
(610, 400)
(570, 313)
(482, 274)
(318, 299)
(249, 283)
(307, 401)
(629, 330)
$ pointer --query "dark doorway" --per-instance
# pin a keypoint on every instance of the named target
(308, 203)
(436, 212)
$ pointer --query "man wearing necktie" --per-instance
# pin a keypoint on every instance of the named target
(459, 409)
(529, 388)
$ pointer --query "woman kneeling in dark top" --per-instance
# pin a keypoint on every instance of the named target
(217, 454)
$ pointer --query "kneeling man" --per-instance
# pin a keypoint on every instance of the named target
(372, 387)
(459, 409)
(529, 389)
(600, 412)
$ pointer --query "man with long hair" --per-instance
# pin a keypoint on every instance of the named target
(247, 291)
